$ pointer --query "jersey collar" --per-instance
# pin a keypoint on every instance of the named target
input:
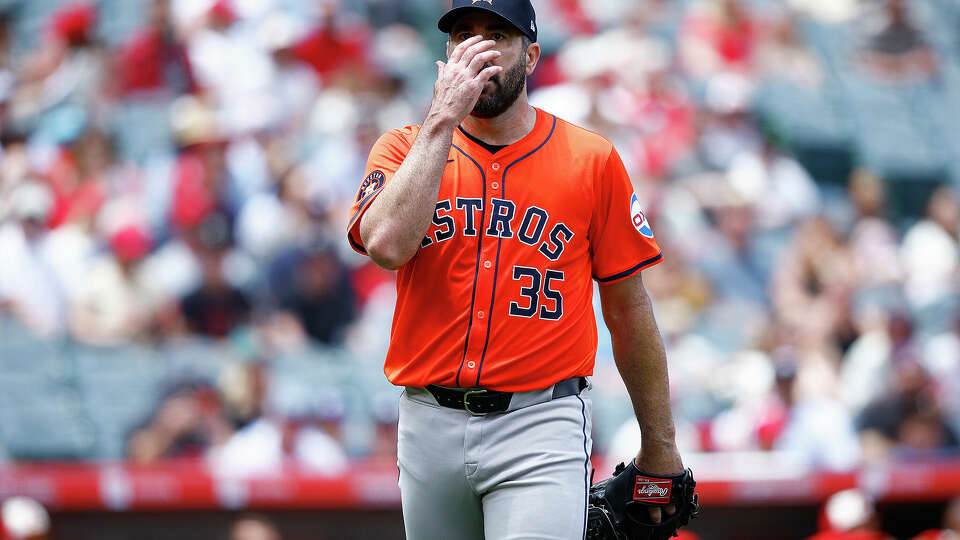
(540, 131)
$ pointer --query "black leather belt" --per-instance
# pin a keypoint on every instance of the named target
(483, 401)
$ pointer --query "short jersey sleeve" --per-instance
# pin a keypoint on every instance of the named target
(385, 158)
(621, 239)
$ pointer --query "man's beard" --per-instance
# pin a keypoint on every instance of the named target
(507, 90)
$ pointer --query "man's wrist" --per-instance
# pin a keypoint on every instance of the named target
(436, 123)
(658, 445)
(664, 442)
(660, 458)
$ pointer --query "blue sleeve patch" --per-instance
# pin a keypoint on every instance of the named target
(638, 218)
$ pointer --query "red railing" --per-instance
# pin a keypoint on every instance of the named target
(189, 485)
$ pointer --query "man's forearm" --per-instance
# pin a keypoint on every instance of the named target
(397, 220)
(640, 358)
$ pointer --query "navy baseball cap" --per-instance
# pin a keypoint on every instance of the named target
(518, 13)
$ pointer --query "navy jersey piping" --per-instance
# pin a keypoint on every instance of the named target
(586, 466)
(476, 271)
(626, 273)
(496, 268)
(356, 245)
(363, 203)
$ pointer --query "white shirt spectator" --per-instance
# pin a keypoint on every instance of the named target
(781, 188)
(930, 258)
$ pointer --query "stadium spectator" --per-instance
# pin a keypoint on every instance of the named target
(930, 253)
(188, 420)
(62, 80)
(23, 518)
(733, 265)
(216, 306)
(898, 51)
(726, 125)
(265, 442)
(665, 118)
(30, 288)
(311, 283)
(254, 527)
(909, 421)
(314, 437)
(813, 281)
(849, 515)
(242, 97)
(154, 61)
(781, 189)
(385, 414)
(867, 194)
(294, 86)
(783, 55)
(336, 46)
(82, 177)
(718, 37)
(114, 305)
(201, 180)
(818, 427)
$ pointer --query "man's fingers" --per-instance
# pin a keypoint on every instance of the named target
(482, 58)
(487, 73)
(655, 514)
(474, 50)
(439, 67)
(457, 52)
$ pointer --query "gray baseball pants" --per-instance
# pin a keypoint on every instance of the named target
(517, 475)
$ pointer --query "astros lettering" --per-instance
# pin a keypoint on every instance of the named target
(504, 219)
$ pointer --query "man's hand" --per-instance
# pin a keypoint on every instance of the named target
(665, 460)
(397, 220)
(460, 80)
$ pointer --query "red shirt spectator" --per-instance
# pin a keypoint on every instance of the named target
(77, 195)
(330, 48)
(74, 22)
(718, 37)
(154, 59)
(667, 120)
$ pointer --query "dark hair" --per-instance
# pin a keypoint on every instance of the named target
(525, 42)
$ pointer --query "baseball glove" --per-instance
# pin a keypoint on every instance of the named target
(619, 506)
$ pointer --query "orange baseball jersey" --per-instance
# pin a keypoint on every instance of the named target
(499, 294)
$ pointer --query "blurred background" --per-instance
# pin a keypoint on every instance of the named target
(186, 337)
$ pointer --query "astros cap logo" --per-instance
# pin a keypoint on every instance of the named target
(487, 1)
(639, 219)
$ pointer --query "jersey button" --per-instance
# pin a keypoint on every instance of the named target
(480, 314)
(471, 364)
(487, 264)
(495, 185)
(495, 166)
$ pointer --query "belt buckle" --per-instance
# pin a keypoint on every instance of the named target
(466, 403)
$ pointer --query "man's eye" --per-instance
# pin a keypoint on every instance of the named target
(497, 36)
(464, 36)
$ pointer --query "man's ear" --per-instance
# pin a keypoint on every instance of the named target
(533, 57)
(449, 49)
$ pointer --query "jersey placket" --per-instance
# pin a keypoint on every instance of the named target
(485, 279)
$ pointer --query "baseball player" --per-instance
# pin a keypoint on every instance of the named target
(496, 216)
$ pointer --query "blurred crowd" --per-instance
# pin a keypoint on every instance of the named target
(187, 174)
